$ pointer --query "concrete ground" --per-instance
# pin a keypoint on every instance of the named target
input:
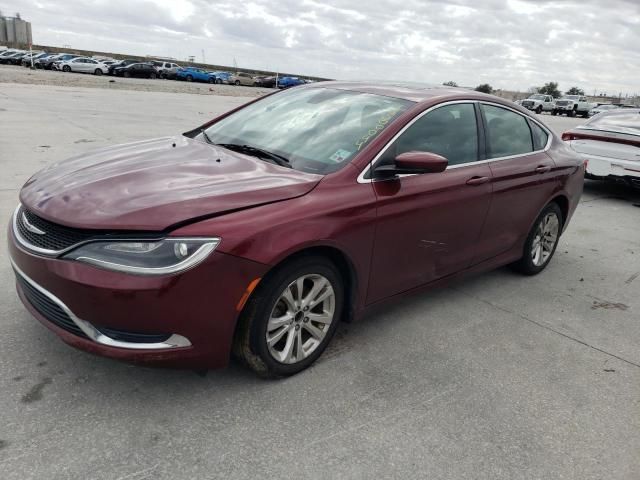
(496, 377)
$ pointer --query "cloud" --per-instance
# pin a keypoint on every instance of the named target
(512, 44)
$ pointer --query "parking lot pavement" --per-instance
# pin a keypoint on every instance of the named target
(495, 377)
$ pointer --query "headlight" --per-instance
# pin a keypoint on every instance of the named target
(162, 257)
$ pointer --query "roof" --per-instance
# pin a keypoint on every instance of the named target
(412, 92)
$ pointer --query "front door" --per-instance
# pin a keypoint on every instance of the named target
(429, 224)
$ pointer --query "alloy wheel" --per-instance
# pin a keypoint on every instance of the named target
(545, 239)
(301, 318)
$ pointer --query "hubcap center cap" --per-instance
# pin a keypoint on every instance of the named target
(299, 316)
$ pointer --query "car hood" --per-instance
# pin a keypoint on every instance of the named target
(156, 184)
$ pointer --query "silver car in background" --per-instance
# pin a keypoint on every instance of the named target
(610, 144)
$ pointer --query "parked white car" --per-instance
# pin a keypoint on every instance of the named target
(610, 144)
(83, 65)
(539, 103)
(602, 108)
(572, 105)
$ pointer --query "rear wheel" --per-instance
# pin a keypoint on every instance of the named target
(542, 241)
(153, 76)
(291, 317)
(126, 74)
(97, 72)
(189, 78)
(236, 83)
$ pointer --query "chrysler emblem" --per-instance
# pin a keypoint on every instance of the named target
(31, 228)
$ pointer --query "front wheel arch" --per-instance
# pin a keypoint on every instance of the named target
(339, 258)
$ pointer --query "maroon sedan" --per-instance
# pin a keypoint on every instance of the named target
(259, 231)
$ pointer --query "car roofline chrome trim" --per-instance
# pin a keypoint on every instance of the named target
(370, 165)
(174, 341)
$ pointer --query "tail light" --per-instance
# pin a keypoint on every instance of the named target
(567, 136)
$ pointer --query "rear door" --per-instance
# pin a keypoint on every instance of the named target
(523, 177)
(429, 225)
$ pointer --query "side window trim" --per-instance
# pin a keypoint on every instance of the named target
(364, 174)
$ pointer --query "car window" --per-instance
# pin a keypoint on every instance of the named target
(540, 137)
(450, 131)
(508, 133)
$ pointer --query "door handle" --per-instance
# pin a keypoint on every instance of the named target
(477, 180)
(543, 169)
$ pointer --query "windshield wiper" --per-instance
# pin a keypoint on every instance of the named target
(257, 152)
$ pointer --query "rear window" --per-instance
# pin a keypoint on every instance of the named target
(540, 137)
(625, 121)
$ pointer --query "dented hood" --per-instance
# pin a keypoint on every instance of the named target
(155, 184)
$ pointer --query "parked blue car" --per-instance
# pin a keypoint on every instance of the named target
(221, 77)
(193, 74)
(286, 82)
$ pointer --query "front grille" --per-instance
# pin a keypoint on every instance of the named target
(527, 104)
(562, 103)
(56, 237)
(48, 308)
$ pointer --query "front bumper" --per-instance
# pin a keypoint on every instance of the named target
(192, 314)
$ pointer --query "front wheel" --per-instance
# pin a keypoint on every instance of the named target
(542, 241)
(189, 78)
(554, 112)
(571, 113)
(66, 68)
(237, 83)
(291, 317)
(539, 110)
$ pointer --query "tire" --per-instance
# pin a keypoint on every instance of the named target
(153, 76)
(278, 358)
(554, 112)
(189, 78)
(98, 72)
(237, 83)
(218, 81)
(539, 109)
(126, 74)
(538, 250)
(211, 80)
(66, 68)
(571, 113)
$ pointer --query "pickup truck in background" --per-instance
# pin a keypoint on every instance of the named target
(539, 103)
(572, 105)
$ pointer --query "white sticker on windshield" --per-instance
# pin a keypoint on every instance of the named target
(340, 156)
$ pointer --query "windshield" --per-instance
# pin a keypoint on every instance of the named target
(318, 130)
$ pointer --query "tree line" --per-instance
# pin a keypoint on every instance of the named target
(550, 88)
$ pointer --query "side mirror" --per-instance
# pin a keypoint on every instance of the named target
(414, 163)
